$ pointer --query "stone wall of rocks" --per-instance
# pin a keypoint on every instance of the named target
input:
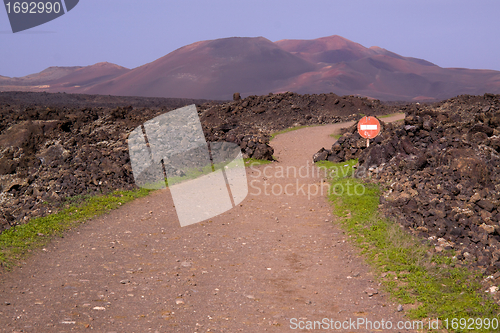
(249, 122)
(441, 173)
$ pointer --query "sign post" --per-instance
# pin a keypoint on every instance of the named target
(368, 127)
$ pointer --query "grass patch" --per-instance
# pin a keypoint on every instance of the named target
(434, 283)
(336, 136)
(390, 115)
(19, 240)
(255, 162)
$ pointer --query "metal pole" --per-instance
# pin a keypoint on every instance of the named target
(367, 142)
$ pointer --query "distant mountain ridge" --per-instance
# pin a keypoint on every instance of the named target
(215, 69)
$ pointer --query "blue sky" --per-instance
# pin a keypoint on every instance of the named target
(449, 33)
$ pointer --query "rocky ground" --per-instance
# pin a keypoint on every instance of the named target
(441, 171)
(55, 146)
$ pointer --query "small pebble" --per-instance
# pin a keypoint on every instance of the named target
(371, 291)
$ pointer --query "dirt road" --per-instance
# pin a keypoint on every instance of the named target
(274, 263)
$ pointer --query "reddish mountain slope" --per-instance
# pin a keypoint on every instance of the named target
(47, 75)
(331, 49)
(349, 68)
(88, 76)
(67, 79)
(215, 69)
(37, 81)
(212, 69)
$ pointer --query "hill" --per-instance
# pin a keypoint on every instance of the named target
(215, 69)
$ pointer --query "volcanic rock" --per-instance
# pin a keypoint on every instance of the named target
(442, 170)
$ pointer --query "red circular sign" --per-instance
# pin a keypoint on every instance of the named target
(368, 127)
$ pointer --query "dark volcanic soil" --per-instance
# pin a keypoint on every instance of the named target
(54, 146)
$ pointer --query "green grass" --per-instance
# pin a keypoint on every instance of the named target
(255, 162)
(434, 283)
(18, 241)
(336, 136)
(389, 115)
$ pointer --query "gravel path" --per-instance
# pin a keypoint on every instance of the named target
(273, 262)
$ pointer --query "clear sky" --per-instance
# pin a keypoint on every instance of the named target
(449, 33)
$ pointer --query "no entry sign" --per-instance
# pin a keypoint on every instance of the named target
(368, 127)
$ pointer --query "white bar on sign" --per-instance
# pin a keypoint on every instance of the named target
(369, 127)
